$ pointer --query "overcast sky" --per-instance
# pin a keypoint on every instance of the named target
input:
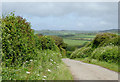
(66, 15)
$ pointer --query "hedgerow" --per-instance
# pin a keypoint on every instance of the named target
(104, 39)
(26, 56)
(108, 54)
(60, 44)
(104, 47)
(46, 42)
(18, 42)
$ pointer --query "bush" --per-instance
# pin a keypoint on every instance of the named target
(108, 54)
(60, 43)
(68, 53)
(18, 43)
(114, 41)
(58, 40)
(85, 52)
(74, 54)
(82, 52)
(102, 39)
(47, 43)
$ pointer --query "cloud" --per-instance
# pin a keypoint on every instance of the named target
(60, 0)
(80, 25)
(67, 15)
(60, 9)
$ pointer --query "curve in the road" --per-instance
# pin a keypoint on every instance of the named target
(84, 71)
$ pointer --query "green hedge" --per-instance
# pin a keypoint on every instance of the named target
(104, 47)
(18, 43)
(108, 54)
(104, 39)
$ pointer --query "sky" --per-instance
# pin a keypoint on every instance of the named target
(85, 16)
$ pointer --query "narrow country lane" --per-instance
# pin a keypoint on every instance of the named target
(84, 71)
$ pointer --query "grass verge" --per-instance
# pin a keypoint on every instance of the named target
(47, 66)
(62, 73)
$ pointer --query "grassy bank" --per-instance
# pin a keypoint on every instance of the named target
(47, 66)
(102, 50)
(111, 66)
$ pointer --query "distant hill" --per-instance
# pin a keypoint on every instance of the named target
(61, 32)
(112, 30)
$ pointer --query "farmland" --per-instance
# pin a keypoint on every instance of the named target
(71, 37)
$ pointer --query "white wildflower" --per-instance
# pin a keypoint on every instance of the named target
(38, 74)
(44, 76)
(26, 61)
(31, 60)
(43, 79)
(57, 66)
(51, 60)
(49, 70)
(27, 72)
(51, 64)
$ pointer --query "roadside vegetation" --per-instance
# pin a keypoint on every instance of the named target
(102, 50)
(99, 48)
(29, 56)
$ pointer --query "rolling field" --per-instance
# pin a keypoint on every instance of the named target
(78, 39)
(71, 42)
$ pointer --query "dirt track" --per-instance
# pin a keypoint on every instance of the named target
(84, 71)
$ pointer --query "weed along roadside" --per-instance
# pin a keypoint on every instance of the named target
(29, 56)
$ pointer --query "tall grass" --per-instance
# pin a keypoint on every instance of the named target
(46, 66)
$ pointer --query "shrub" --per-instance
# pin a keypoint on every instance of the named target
(114, 41)
(60, 43)
(74, 54)
(18, 43)
(47, 43)
(84, 52)
(58, 40)
(68, 53)
(108, 54)
(102, 39)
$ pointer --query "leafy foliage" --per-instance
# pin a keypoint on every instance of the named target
(103, 39)
(35, 69)
(108, 54)
(26, 56)
(46, 43)
(60, 43)
(18, 43)
(104, 47)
